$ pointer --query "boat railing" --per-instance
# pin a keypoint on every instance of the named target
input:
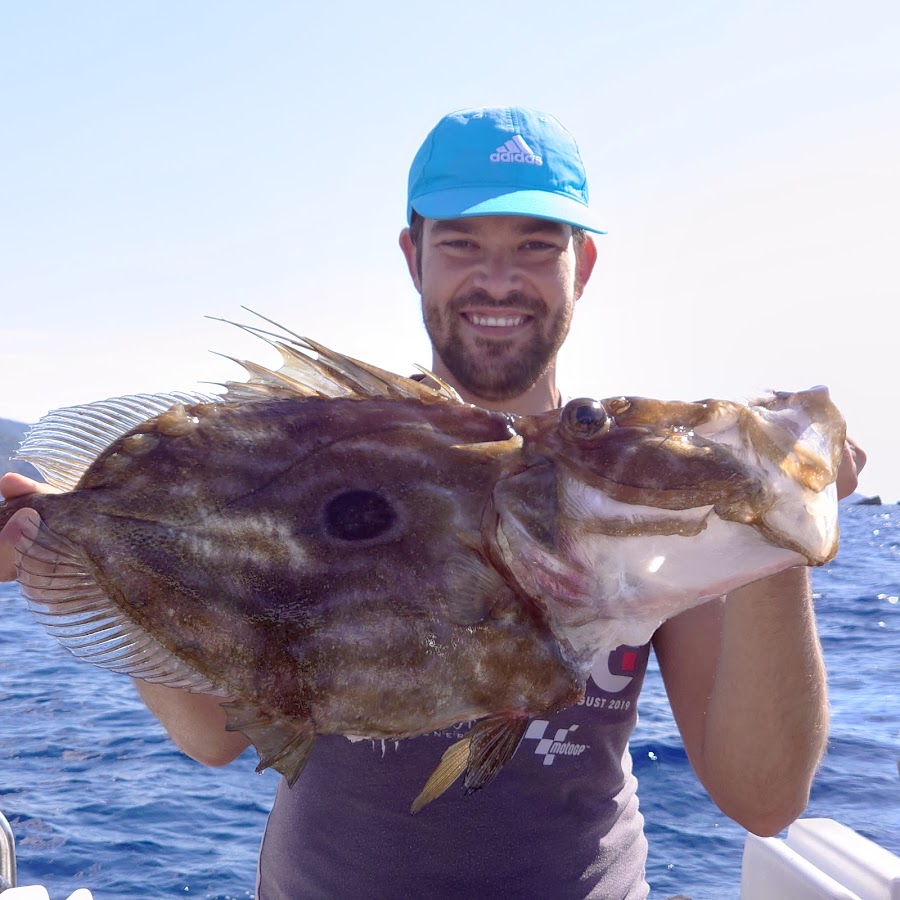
(7, 855)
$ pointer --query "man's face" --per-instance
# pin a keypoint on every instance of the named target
(498, 293)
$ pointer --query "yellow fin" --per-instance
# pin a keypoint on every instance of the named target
(481, 754)
(451, 766)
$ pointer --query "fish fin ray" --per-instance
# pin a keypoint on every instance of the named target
(494, 742)
(452, 765)
(492, 449)
(329, 374)
(63, 444)
(471, 587)
(283, 746)
(481, 754)
(74, 609)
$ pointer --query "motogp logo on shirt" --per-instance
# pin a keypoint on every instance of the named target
(558, 745)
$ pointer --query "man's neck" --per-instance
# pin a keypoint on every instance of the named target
(542, 396)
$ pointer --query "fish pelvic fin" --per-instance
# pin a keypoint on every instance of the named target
(481, 754)
(281, 745)
(494, 743)
(452, 765)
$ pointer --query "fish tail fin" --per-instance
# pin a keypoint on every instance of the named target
(283, 746)
(66, 598)
(481, 754)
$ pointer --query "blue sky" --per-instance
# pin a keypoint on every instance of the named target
(165, 161)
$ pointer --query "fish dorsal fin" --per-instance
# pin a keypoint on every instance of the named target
(327, 374)
(69, 603)
(64, 443)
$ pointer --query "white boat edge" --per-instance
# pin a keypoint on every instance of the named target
(819, 859)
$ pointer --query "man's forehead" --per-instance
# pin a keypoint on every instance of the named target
(519, 224)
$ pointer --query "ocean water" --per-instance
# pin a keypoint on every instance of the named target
(98, 797)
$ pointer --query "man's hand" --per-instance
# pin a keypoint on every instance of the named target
(21, 528)
(852, 462)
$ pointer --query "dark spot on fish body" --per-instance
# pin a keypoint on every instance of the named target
(359, 515)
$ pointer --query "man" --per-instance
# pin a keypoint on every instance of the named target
(498, 247)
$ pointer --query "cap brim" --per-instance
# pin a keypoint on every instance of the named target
(461, 203)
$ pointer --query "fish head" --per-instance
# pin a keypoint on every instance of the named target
(631, 509)
(643, 452)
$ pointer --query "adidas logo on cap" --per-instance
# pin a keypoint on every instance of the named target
(516, 150)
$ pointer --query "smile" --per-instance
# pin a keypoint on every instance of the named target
(496, 321)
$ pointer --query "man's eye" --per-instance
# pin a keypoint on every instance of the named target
(458, 244)
(539, 245)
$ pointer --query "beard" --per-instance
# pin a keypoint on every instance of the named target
(497, 369)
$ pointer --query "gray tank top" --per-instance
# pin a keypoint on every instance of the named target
(561, 819)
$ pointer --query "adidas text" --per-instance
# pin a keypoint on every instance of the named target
(516, 150)
(506, 156)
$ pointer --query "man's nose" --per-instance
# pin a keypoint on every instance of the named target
(498, 274)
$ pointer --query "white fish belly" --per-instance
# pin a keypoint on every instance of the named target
(604, 590)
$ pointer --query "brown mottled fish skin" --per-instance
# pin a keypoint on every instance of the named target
(318, 561)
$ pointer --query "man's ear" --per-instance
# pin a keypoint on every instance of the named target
(409, 251)
(585, 257)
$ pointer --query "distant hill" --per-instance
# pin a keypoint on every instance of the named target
(857, 499)
(11, 434)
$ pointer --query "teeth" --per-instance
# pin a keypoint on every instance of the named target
(496, 321)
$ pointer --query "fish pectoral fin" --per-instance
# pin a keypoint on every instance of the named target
(283, 745)
(472, 588)
(451, 766)
(481, 754)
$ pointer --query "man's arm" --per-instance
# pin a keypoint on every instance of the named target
(747, 686)
(194, 722)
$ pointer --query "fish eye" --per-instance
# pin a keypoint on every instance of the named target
(358, 515)
(583, 419)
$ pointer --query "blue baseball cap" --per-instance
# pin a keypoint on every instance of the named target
(500, 161)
